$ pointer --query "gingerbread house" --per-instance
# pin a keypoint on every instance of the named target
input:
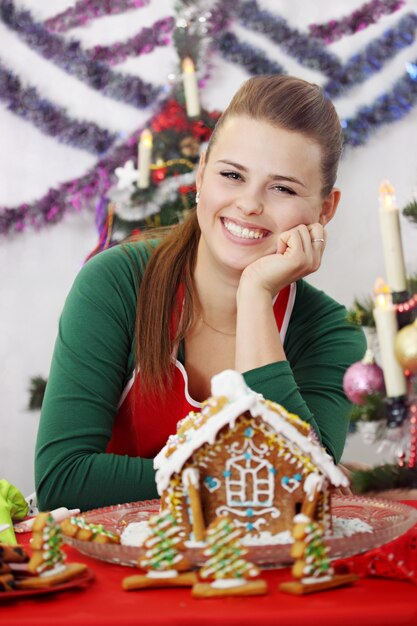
(246, 457)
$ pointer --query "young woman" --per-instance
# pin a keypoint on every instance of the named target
(146, 326)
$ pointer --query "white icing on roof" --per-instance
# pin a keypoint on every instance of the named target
(241, 398)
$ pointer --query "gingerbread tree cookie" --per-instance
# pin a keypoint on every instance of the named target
(312, 567)
(164, 559)
(47, 562)
(78, 528)
(226, 566)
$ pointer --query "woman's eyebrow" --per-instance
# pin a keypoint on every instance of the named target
(279, 177)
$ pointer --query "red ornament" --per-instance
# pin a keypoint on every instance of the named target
(172, 116)
(362, 379)
(158, 175)
(201, 131)
(187, 189)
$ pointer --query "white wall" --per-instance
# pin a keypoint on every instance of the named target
(37, 268)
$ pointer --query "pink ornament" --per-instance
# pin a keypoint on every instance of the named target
(362, 379)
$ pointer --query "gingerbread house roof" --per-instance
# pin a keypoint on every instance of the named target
(236, 399)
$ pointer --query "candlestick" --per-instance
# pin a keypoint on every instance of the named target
(387, 328)
(189, 81)
(144, 158)
(391, 238)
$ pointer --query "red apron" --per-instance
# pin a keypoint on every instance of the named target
(142, 426)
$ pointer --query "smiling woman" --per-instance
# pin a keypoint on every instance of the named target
(147, 324)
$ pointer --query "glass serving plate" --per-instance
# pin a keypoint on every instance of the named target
(387, 519)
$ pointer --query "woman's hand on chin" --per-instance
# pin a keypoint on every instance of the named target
(299, 253)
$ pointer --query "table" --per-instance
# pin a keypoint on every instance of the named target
(370, 602)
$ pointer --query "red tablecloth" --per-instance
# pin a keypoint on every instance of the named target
(370, 602)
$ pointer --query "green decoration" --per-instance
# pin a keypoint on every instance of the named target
(410, 212)
(383, 477)
(373, 409)
(13, 506)
(361, 313)
(36, 392)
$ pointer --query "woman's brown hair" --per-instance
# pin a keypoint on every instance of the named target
(285, 101)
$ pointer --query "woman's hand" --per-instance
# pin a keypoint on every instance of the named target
(299, 253)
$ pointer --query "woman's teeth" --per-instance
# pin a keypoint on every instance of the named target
(244, 233)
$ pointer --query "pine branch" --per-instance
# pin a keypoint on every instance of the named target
(36, 392)
(373, 409)
(384, 477)
(410, 211)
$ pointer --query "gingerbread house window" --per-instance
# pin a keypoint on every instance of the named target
(249, 481)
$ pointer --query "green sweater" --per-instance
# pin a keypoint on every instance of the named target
(94, 358)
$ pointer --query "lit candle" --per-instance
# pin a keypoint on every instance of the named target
(189, 80)
(144, 158)
(385, 318)
(389, 220)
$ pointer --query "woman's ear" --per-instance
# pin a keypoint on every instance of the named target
(200, 170)
(329, 206)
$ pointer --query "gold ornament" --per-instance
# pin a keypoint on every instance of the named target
(405, 347)
(189, 146)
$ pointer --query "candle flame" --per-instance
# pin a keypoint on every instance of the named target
(382, 294)
(381, 287)
(146, 137)
(387, 195)
(188, 66)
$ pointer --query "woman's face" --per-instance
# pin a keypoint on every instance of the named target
(259, 181)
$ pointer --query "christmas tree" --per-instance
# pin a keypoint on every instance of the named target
(390, 412)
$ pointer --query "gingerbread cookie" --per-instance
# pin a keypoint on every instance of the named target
(47, 563)
(164, 560)
(78, 528)
(226, 567)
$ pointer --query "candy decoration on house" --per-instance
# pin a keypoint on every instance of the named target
(312, 569)
(164, 560)
(244, 457)
(226, 567)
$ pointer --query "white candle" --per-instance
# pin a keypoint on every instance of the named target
(189, 81)
(389, 220)
(144, 158)
(385, 318)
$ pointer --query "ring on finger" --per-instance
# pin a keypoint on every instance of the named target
(314, 240)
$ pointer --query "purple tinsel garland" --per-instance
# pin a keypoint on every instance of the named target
(86, 10)
(72, 195)
(71, 58)
(306, 49)
(77, 194)
(378, 52)
(360, 19)
(253, 59)
(51, 119)
(358, 68)
(142, 43)
(388, 107)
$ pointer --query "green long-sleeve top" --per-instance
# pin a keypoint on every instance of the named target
(94, 359)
